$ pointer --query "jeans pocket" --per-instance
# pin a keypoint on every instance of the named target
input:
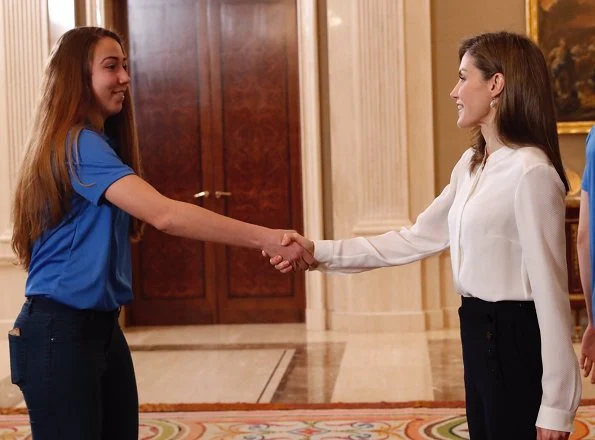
(18, 352)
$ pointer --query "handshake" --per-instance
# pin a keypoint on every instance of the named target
(295, 253)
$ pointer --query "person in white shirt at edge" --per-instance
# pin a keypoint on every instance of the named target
(502, 216)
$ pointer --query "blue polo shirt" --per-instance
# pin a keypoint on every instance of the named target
(84, 262)
(588, 185)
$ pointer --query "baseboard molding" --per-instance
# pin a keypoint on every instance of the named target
(5, 327)
(434, 319)
(316, 319)
(451, 317)
(413, 321)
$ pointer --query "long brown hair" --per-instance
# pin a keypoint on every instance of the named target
(525, 114)
(66, 106)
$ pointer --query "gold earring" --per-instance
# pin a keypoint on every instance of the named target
(493, 103)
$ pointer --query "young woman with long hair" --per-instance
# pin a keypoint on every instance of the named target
(79, 200)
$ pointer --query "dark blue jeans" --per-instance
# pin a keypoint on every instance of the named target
(75, 371)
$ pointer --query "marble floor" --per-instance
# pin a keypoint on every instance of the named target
(287, 364)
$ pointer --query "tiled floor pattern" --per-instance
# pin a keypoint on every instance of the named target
(284, 363)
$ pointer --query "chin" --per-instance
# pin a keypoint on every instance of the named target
(464, 124)
(115, 111)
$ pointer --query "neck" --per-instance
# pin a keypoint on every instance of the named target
(96, 120)
(492, 138)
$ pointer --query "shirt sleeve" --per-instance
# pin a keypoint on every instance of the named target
(540, 217)
(96, 167)
(428, 236)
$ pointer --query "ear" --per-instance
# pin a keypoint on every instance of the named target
(496, 84)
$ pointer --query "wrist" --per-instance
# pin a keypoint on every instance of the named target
(263, 237)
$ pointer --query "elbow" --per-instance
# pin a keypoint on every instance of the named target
(163, 223)
(163, 218)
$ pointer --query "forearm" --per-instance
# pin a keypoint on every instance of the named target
(359, 254)
(583, 247)
(191, 221)
(584, 263)
(561, 380)
(141, 200)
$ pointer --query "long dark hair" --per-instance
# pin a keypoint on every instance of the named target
(67, 105)
(525, 114)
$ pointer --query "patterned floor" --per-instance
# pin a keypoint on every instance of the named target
(326, 424)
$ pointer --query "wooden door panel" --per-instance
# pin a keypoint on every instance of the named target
(254, 88)
(216, 93)
(170, 280)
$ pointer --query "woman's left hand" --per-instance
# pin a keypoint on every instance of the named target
(550, 434)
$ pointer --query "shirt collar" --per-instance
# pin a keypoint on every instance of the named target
(499, 154)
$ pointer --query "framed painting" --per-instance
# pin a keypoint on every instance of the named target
(565, 32)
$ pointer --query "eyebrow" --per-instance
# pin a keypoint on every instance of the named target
(114, 58)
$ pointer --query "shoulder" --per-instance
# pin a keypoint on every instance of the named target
(91, 137)
(535, 169)
(466, 156)
(529, 157)
(462, 166)
(92, 146)
(465, 159)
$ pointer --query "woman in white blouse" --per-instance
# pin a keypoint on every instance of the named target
(502, 217)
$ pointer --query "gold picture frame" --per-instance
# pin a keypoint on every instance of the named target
(561, 29)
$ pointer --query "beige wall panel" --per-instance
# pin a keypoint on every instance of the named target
(381, 154)
(453, 21)
(23, 50)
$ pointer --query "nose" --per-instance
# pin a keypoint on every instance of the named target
(124, 77)
(454, 93)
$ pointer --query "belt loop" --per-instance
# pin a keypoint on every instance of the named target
(29, 305)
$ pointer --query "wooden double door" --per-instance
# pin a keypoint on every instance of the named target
(215, 84)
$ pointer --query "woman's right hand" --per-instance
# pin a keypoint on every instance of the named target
(294, 256)
(285, 266)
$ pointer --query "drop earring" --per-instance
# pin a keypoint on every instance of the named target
(493, 103)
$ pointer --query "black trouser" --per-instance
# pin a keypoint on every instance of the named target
(503, 369)
(75, 371)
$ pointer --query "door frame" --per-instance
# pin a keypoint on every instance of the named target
(311, 148)
(310, 135)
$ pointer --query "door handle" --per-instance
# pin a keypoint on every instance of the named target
(201, 194)
(219, 194)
